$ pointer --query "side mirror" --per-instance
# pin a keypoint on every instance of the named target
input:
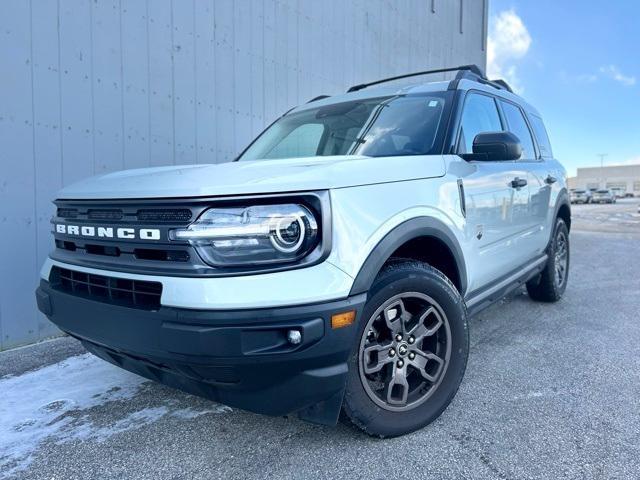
(495, 146)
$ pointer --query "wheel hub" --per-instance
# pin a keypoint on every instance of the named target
(405, 353)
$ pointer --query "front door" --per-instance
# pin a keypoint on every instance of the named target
(496, 198)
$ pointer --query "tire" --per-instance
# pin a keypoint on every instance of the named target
(422, 299)
(550, 285)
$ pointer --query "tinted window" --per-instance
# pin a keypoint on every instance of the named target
(480, 115)
(518, 126)
(541, 135)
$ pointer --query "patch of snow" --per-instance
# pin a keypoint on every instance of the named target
(33, 405)
(85, 429)
(47, 405)
(190, 413)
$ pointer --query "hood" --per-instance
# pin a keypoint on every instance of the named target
(254, 177)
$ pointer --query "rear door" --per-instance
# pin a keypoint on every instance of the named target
(492, 201)
(547, 180)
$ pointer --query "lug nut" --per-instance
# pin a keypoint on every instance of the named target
(411, 339)
(412, 356)
(400, 364)
(398, 338)
(392, 352)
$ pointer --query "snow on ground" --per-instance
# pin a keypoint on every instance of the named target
(48, 404)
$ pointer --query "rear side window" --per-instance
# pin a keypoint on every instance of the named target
(517, 125)
(480, 115)
(541, 135)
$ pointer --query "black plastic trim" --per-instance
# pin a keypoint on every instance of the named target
(464, 71)
(237, 357)
(413, 228)
(487, 295)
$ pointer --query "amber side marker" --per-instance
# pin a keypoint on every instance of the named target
(343, 319)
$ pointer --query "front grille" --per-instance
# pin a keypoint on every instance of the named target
(105, 214)
(68, 213)
(118, 291)
(177, 215)
(127, 215)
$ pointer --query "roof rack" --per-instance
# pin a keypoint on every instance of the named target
(502, 83)
(469, 72)
(319, 97)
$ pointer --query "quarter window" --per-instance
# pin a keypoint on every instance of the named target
(480, 115)
(518, 126)
(541, 135)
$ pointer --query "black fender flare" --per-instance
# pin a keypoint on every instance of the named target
(561, 200)
(398, 236)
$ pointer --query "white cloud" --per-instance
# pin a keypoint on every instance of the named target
(631, 161)
(508, 42)
(587, 77)
(579, 78)
(614, 72)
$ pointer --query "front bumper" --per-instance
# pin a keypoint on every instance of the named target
(237, 357)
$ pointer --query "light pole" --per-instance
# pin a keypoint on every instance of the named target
(602, 155)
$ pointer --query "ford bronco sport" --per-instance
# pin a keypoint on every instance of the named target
(332, 267)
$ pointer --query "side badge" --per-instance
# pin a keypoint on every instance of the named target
(479, 231)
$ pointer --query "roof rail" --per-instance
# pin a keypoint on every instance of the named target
(503, 84)
(319, 97)
(470, 72)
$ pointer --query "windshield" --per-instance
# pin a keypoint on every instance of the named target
(375, 127)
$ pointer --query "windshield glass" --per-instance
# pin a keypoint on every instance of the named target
(375, 127)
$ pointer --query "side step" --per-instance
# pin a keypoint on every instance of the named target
(481, 299)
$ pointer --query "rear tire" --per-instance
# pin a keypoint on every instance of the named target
(550, 285)
(411, 351)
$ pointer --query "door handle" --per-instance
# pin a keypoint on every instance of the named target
(550, 179)
(518, 182)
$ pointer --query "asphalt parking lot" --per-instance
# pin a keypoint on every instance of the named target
(551, 391)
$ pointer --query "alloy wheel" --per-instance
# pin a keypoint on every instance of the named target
(404, 351)
(561, 259)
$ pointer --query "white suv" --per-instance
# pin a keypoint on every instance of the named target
(333, 265)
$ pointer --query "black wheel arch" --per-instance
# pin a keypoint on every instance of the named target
(562, 210)
(400, 235)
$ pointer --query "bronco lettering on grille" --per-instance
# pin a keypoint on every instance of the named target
(109, 232)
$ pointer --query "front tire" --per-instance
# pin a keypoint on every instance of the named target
(411, 351)
(550, 285)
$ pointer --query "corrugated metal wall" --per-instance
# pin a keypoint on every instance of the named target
(90, 86)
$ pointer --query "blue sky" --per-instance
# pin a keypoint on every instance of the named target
(578, 62)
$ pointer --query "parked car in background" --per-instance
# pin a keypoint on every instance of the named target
(629, 195)
(581, 196)
(618, 192)
(603, 196)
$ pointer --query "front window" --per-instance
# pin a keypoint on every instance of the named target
(480, 115)
(374, 127)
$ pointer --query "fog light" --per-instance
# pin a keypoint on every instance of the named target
(294, 337)
(343, 319)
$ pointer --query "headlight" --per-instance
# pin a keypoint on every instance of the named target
(261, 234)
